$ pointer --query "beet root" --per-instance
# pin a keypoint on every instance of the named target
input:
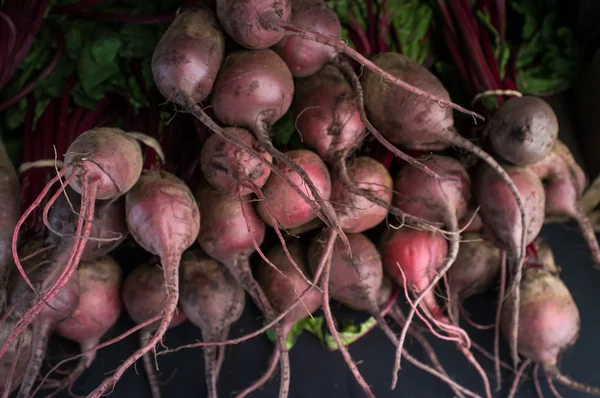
(164, 219)
(212, 300)
(352, 191)
(143, 297)
(549, 323)
(283, 203)
(230, 169)
(258, 102)
(523, 130)
(11, 206)
(564, 182)
(188, 56)
(474, 271)
(103, 163)
(98, 310)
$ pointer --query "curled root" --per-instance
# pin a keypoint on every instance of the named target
(536, 381)
(347, 70)
(439, 374)
(150, 367)
(265, 377)
(497, 322)
(199, 114)
(398, 317)
(554, 373)
(515, 385)
(366, 193)
(452, 254)
(83, 229)
(100, 346)
(331, 324)
(172, 291)
(517, 269)
(291, 29)
(323, 206)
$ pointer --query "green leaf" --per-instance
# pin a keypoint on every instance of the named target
(283, 130)
(96, 64)
(297, 329)
(349, 333)
(138, 41)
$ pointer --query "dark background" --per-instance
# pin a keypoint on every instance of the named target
(319, 373)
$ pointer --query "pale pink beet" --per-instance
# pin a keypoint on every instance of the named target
(564, 182)
(306, 57)
(108, 231)
(474, 271)
(187, 58)
(501, 218)
(420, 254)
(144, 296)
(242, 19)
(230, 236)
(97, 312)
(279, 290)
(288, 208)
(357, 213)
(164, 219)
(354, 282)
(549, 323)
(326, 115)
(212, 300)
(253, 90)
(228, 228)
(231, 169)
(65, 302)
(102, 163)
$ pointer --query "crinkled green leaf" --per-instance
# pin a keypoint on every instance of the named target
(297, 329)
(349, 333)
(548, 58)
(138, 41)
(96, 64)
(412, 20)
